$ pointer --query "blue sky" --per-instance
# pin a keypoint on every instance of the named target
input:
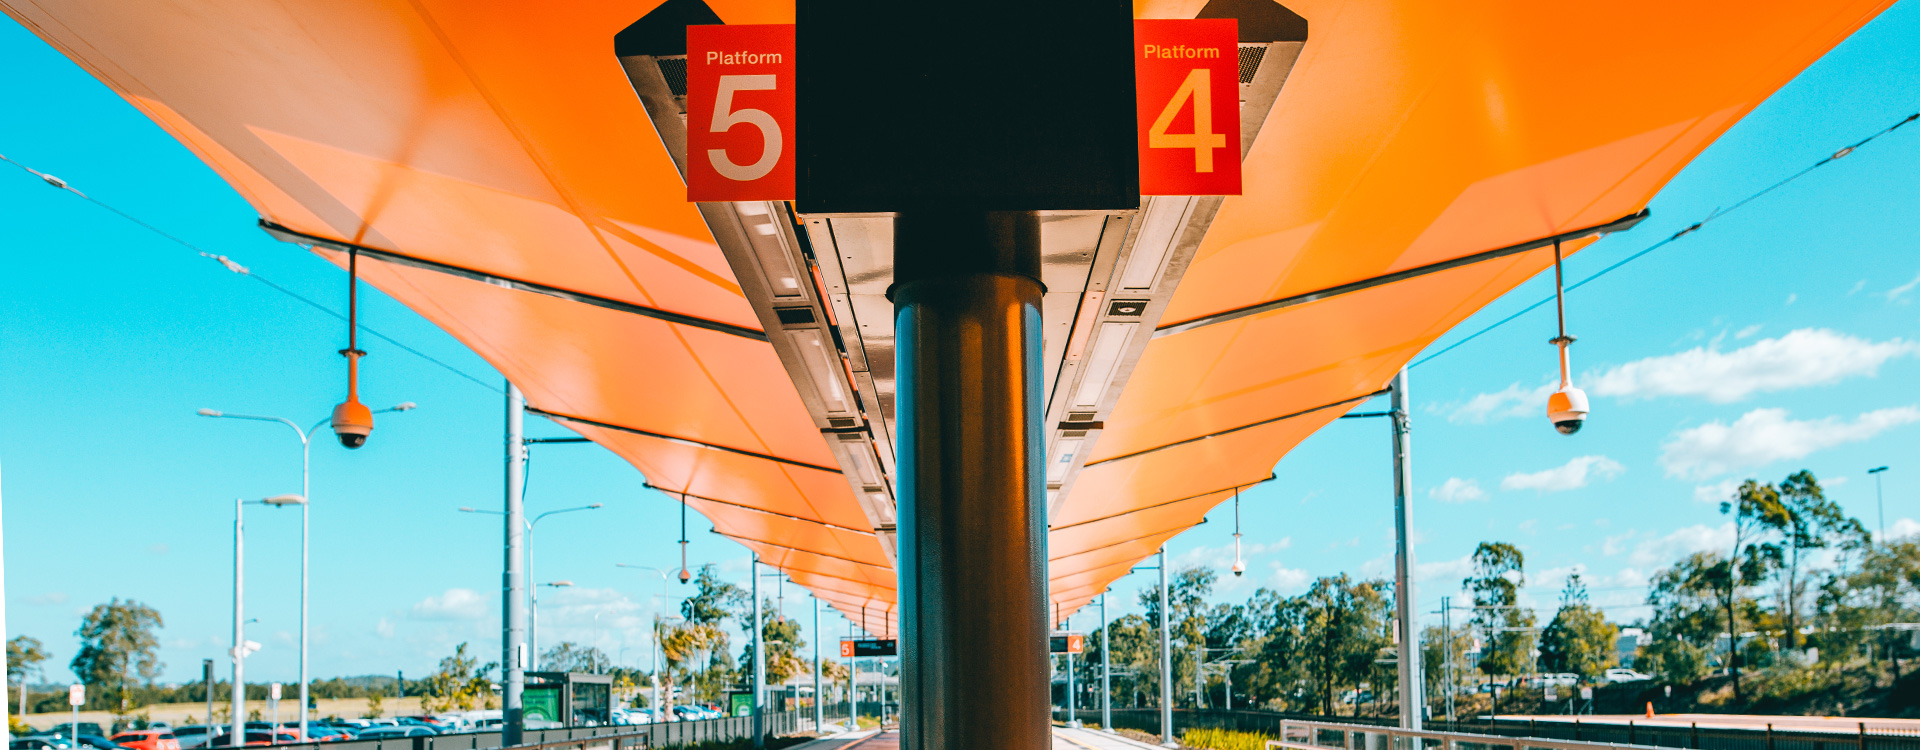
(1781, 337)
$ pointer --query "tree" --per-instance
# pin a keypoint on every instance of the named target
(1815, 523)
(1579, 640)
(118, 642)
(1756, 511)
(25, 653)
(780, 638)
(459, 684)
(1188, 589)
(568, 656)
(1499, 570)
(376, 706)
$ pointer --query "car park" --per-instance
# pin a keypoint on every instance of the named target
(387, 733)
(1618, 675)
(39, 743)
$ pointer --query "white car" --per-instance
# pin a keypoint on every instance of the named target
(1618, 675)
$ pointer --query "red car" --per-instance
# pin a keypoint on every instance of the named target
(147, 739)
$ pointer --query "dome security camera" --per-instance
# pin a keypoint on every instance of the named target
(1239, 568)
(352, 422)
(1567, 409)
(685, 576)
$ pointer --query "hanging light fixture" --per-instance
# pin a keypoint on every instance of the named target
(1239, 565)
(352, 420)
(685, 575)
(1567, 407)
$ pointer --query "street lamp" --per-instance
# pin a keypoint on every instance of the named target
(533, 629)
(306, 472)
(664, 585)
(1880, 499)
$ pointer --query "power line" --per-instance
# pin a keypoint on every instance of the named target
(1716, 214)
(236, 267)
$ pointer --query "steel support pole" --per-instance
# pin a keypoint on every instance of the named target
(819, 708)
(1446, 626)
(1412, 687)
(1072, 720)
(1106, 672)
(759, 659)
(513, 580)
(238, 737)
(1166, 657)
(972, 519)
(306, 508)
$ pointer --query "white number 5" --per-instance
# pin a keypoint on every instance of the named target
(724, 118)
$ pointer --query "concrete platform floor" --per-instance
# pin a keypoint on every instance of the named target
(1063, 739)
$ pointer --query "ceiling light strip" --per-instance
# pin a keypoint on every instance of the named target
(679, 440)
(1231, 430)
(301, 238)
(1617, 225)
(1123, 514)
(743, 506)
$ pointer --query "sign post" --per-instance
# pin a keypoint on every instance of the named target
(273, 706)
(76, 696)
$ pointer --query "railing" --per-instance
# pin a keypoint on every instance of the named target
(1555, 735)
(666, 734)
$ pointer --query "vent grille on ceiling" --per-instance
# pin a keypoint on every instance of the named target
(1250, 58)
(674, 69)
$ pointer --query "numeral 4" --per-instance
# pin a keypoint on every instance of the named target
(1202, 140)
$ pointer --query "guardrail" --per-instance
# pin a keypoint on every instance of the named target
(632, 737)
(1556, 735)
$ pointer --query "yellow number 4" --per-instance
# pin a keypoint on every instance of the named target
(1202, 140)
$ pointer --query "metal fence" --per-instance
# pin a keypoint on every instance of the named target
(1853, 735)
(666, 734)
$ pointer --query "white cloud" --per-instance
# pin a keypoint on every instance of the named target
(1457, 490)
(1748, 331)
(1284, 579)
(384, 628)
(1662, 551)
(1857, 286)
(1570, 476)
(1530, 526)
(454, 604)
(1615, 544)
(160, 548)
(1763, 436)
(1511, 402)
(1805, 357)
(1221, 557)
(51, 597)
(1894, 294)
(1717, 492)
(1903, 528)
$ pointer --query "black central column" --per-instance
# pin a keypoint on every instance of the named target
(972, 524)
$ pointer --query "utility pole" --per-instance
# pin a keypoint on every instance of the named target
(759, 659)
(1166, 657)
(513, 579)
(1106, 672)
(239, 654)
(1412, 694)
(1446, 626)
(819, 710)
(1880, 500)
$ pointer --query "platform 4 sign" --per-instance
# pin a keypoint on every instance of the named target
(1187, 87)
(740, 112)
(740, 109)
(1067, 643)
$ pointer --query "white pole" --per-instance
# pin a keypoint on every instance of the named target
(306, 470)
(1106, 672)
(1166, 657)
(759, 657)
(513, 579)
(6, 738)
(819, 709)
(238, 736)
(1412, 687)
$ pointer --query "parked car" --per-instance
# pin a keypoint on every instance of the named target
(195, 735)
(147, 739)
(1617, 675)
(387, 733)
(39, 743)
(279, 737)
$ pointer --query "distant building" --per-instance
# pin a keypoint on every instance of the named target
(1628, 644)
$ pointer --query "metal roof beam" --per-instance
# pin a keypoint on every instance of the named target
(1617, 225)
(401, 259)
(1231, 430)
(763, 511)
(1123, 514)
(679, 440)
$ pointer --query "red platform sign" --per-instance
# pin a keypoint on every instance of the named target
(1187, 84)
(740, 112)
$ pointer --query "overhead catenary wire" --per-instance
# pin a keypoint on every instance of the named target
(1716, 214)
(237, 267)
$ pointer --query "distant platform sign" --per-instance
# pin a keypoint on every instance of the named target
(865, 647)
(1187, 88)
(740, 110)
(1067, 643)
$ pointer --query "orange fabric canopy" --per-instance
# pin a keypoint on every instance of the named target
(504, 137)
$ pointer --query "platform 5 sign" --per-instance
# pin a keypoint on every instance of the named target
(740, 112)
(740, 109)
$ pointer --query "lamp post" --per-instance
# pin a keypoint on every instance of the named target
(533, 628)
(1106, 672)
(1880, 500)
(656, 627)
(242, 648)
(306, 467)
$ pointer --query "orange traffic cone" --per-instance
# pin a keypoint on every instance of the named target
(1649, 709)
